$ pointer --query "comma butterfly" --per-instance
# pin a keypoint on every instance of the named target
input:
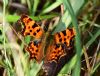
(59, 50)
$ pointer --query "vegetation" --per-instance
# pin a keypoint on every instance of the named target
(83, 15)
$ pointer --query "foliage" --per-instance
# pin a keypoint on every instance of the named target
(83, 15)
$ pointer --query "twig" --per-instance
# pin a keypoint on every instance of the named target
(62, 9)
(17, 35)
(95, 56)
(87, 61)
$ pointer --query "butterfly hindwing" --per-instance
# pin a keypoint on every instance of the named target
(55, 52)
(34, 49)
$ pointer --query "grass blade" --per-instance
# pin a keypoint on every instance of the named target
(77, 38)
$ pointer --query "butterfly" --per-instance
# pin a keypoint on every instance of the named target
(61, 46)
(57, 52)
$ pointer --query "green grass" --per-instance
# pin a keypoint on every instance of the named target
(13, 57)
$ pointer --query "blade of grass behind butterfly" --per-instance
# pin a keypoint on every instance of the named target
(95, 68)
(16, 52)
(35, 68)
(51, 7)
(89, 43)
(77, 38)
(48, 2)
(14, 18)
(23, 59)
(92, 39)
(6, 60)
(35, 5)
(96, 62)
(66, 19)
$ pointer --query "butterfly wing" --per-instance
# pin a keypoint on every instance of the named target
(65, 37)
(31, 27)
(59, 53)
(34, 49)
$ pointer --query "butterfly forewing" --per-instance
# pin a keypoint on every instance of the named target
(65, 37)
(31, 28)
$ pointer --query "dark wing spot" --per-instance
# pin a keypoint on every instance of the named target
(30, 30)
(55, 55)
(34, 57)
(34, 25)
(34, 33)
(60, 40)
(64, 39)
(38, 30)
(35, 54)
(37, 50)
(71, 30)
(64, 32)
(30, 19)
(68, 36)
(30, 43)
(59, 35)
(32, 49)
(27, 33)
(65, 43)
(54, 52)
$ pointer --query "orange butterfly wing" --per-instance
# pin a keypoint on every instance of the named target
(65, 37)
(34, 49)
(60, 52)
(63, 43)
(31, 27)
(54, 53)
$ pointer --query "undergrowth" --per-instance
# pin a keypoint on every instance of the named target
(83, 15)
